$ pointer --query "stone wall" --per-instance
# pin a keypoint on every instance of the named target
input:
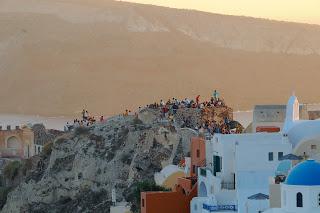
(16, 143)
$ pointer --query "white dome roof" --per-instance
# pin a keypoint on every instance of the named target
(304, 130)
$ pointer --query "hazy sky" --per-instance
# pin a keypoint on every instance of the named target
(307, 11)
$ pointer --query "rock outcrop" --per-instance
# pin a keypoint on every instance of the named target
(42, 135)
(77, 172)
(81, 168)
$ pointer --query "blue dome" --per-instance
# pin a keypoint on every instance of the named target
(284, 167)
(306, 173)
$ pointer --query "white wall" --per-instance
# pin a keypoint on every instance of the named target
(310, 198)
(254, 206)
(254, 156)
(246, 155)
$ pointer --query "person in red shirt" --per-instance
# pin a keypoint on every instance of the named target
(198, 99)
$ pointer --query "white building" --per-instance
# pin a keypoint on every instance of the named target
(301, 191)
(239, 166)
(304, 135)
(268, 116)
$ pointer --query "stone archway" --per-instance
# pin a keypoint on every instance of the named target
(13, 143)
(203, 190)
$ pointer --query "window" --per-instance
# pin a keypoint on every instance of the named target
(217, 164)
(284, 198)
(203, 172)
(193, 169)
(195, 207)
(280, 155)
(319, 199)
(13, 143)
(198, 153)
(142, 202)
(270, 156)
(313, 146)
(299, 199)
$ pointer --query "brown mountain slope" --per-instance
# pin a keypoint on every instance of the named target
(59, 56)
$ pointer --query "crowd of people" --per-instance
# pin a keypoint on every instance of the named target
(86, 120)
(208, 123)
(168, 109)
(174, 104)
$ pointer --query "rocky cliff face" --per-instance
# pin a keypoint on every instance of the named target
(43, 136)
(79, 170)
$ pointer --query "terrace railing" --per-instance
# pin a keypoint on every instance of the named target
(228, 185)
(212, 208)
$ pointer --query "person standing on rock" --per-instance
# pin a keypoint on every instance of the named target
(216, 95)
(86, 115)
(83, 113)
(198, 99)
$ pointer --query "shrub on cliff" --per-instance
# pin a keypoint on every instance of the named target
(4, 191)
(137, 121)
(81, 130)
(12, 170)
(47, 149)
(144, 186)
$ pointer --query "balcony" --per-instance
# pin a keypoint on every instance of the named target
(228, 185)
(212, 208)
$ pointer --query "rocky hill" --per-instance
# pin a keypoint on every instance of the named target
(80, 52)
(77, 172)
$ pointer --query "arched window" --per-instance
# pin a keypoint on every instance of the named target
(13, 143)
(299, 199)
(319, 199)
(203, 190)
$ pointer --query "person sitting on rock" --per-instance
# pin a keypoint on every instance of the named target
(83, 113)
(86, 115)
(65, 128)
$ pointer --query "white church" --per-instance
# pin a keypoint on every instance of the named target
(239, 166)
(300, 193)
